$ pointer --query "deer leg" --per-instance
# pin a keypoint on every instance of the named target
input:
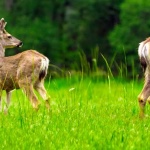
(0, 103)
(0, 100)
(29, 91)
(142, 103)
(143, 97)
(8, 97)
(39, 87)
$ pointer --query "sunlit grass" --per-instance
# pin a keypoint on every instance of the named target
(85, 114)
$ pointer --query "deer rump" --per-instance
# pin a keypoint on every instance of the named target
(24, 69)
(144, 53)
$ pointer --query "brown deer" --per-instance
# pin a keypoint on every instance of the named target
(144, 55)
(25, 70)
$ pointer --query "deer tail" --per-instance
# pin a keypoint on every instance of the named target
(144, 54)
(43, 68)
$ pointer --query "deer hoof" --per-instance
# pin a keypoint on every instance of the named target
(36, 106)
(148, 99)
(47, 104)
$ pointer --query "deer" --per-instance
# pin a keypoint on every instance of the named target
(25, 70)
(144, 56)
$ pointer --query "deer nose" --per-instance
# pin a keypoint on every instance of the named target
(20, 44)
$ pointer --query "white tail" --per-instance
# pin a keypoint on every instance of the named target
(26, 70)
(144, 55)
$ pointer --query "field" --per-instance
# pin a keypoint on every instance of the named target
(86, 114)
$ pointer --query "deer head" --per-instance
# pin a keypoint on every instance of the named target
(6, 39)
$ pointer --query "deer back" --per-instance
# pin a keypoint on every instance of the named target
(27, 67)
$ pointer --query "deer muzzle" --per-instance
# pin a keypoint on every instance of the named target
(20, 44)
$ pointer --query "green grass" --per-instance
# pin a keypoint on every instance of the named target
(85, 114)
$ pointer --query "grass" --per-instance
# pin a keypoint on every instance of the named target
(85, 114)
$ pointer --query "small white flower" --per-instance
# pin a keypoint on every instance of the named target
(71, 89)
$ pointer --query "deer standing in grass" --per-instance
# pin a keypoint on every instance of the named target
(144, 55)
(25, 70)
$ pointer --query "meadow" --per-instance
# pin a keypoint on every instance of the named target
(86, 114)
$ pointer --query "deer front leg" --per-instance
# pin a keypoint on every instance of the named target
(8, 97)
(143, 97)
(0, 100)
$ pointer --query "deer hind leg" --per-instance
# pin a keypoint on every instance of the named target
(143, 97)
(29, 91)
(32, 97)
(39, 87)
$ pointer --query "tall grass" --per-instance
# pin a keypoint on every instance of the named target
(86, 114)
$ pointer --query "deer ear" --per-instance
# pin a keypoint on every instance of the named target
(5, 24)
(2, 24)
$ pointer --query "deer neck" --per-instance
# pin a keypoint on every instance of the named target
(2, 51)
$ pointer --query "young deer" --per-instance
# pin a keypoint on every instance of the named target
(144, 55)
(25, 70)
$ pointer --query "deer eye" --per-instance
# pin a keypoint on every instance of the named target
(9, 37)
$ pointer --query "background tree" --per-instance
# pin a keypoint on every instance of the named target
(59, 29)
(133, 28)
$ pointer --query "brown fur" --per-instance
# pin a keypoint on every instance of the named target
(25, 70)
(144, 54)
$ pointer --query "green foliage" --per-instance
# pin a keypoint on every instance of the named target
(60, 28)
(132, 29)
(91, 21)
(85, 114)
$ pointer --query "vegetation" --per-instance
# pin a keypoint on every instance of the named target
(85, 113)
(93, 105)
(60, 29)
(132, 29)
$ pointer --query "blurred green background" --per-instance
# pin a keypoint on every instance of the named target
(68, 30)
